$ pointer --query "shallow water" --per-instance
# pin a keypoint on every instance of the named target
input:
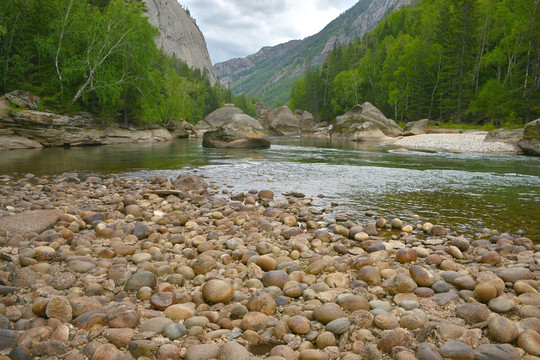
(465, 192)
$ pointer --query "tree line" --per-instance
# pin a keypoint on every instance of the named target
(462, 61)
(100, 56)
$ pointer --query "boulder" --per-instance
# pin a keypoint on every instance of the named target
(307, 122)
(530, 143)
(511, 137)
(364, 123)
(181, 130)
(23, 99)
(241, 132)
(282, 121)
(190, 182)
(419, 127)
(218, 117)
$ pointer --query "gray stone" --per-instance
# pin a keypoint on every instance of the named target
(416, 127)
(202, 352)
(427, 351)
(282, 121)
(233, 351)
(500, 305)
(241, 132)
(457, 350)
(473, 313)
(365, 122)
(218, 117)
(530, 144)
(496, 352)
(8, 339)
(140, 279)
(174, 331)
(514, 274)
(155, 325)
(141, 230)
(338, 326)
(35, 221)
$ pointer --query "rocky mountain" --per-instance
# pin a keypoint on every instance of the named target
(180, 35)
(270, 73)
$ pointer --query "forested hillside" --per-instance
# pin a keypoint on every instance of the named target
(99, 56)
(270, 73)
(470, 61)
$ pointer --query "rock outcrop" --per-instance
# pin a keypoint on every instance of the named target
(281, 121)
(218, 117)
(416, 127)
(530, 144)
(242, 131)
(180, 35)
(365, 123)
(20, 129)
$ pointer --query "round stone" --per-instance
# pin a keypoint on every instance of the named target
(292, 289)
(255, 321)
(178, 312)
(325, 339)
(529, 340)
(370, 274)
(261, 302)
(421, 276)
(338, 326)
(485, 292)
(386, 321)
(59, 308)
(233, 351)
(473, 313)
(217, 291)
(406, 255)
(266, 262)
(299, 324)
(328, 312)
(204, 264)
(140, 279)
(457, 350)
(353, 302)
(275, 278)
(502, 329)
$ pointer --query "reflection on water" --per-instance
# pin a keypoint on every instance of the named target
(464, 191)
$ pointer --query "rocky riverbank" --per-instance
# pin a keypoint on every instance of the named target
(123, 268)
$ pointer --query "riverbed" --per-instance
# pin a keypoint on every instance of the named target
(466, 192)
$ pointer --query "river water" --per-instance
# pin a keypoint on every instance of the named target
(465, 192)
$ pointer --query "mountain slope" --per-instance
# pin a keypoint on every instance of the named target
(179, 35)
(270, 73)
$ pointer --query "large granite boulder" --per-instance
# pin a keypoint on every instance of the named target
(365, 123)
(218, 117)
(505, 136)
(419, 127)
(530, 144)
(242, 131)
(307, 122)
(181, 130)
(282, 121)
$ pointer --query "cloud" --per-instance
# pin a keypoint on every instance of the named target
(237, 28)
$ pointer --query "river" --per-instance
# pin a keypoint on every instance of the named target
(465, 192)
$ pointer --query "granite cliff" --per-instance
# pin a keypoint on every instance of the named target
(180, 35)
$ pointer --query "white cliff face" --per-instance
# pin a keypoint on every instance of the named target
(179, 35)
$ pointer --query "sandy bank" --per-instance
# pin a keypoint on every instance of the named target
(459, 143)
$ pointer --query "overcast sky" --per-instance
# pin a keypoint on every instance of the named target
(237, 28)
